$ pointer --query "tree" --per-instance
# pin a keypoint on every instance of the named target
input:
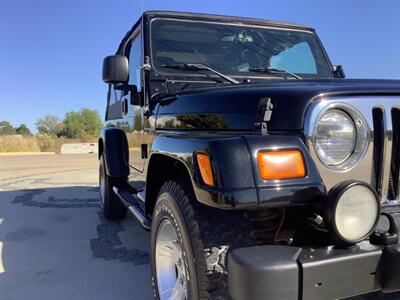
(6, 128)
(73, 126)
(84, 123)
(50, 125)
(23, 130)
(91, 120)
(137, 121)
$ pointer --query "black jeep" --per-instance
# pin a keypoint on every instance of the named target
(260, 171)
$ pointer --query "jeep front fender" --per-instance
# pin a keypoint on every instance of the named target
(237, 181)
(115, 150)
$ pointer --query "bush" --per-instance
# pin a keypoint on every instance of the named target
(46, 142)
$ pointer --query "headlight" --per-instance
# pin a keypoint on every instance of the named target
(353, 211)
(335, 137)
(340, 138)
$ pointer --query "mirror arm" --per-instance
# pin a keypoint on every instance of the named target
(134, 95)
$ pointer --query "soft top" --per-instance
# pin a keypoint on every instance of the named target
(213, 18)
(221, 18)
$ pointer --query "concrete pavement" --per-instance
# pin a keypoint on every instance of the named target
(55, 244)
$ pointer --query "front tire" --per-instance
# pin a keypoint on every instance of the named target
(112, 207)
(200, 237)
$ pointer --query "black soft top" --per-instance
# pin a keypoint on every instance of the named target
(229, 19)
(214, 18)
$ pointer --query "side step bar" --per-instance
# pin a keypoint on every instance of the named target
(132, 205)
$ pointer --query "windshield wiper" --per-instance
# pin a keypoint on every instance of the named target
(270, 70)
(200, 67)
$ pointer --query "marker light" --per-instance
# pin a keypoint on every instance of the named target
(281, 164)
(205, 168)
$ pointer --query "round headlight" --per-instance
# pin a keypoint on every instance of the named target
(353, 211)
(335, 137)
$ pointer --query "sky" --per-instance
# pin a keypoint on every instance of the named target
(51, 52)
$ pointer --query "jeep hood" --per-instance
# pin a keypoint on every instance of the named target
(237, 107)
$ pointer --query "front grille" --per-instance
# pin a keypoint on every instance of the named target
(393, 191)
(377, 154)
(386, 153)
(380, 162)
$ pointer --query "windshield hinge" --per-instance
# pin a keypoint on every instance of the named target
(264, 115)
(146, 65)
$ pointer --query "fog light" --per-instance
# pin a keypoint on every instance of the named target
(353, 211)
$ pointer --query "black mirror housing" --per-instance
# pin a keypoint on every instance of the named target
(338, 71)
(115, 69)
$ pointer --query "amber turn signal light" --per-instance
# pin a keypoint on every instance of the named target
(281, 164)
(205, 168)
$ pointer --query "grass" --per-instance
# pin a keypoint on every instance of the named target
(38, 143)
(45, 143)
(18, 143)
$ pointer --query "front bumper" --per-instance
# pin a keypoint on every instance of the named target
(283, 272)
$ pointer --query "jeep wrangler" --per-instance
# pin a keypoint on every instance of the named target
(259, 170)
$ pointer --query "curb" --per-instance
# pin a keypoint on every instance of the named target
(25, 153)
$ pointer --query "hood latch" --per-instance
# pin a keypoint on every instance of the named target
(264, 115)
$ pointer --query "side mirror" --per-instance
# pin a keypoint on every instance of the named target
(338, 71)
(115, 69)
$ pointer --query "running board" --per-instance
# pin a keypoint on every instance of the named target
(132, 205)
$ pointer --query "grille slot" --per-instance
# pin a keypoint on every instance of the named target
(377, 154)
(393, 190)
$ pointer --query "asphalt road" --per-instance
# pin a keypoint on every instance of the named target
(55, 244)
(14, 166)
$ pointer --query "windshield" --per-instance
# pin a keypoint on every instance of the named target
(233, 50)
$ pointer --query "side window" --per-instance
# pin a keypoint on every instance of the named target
(296, 59)
(135, 61)
(134, 116)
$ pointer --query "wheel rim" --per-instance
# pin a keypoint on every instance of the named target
(102, 183)
(170, 265)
